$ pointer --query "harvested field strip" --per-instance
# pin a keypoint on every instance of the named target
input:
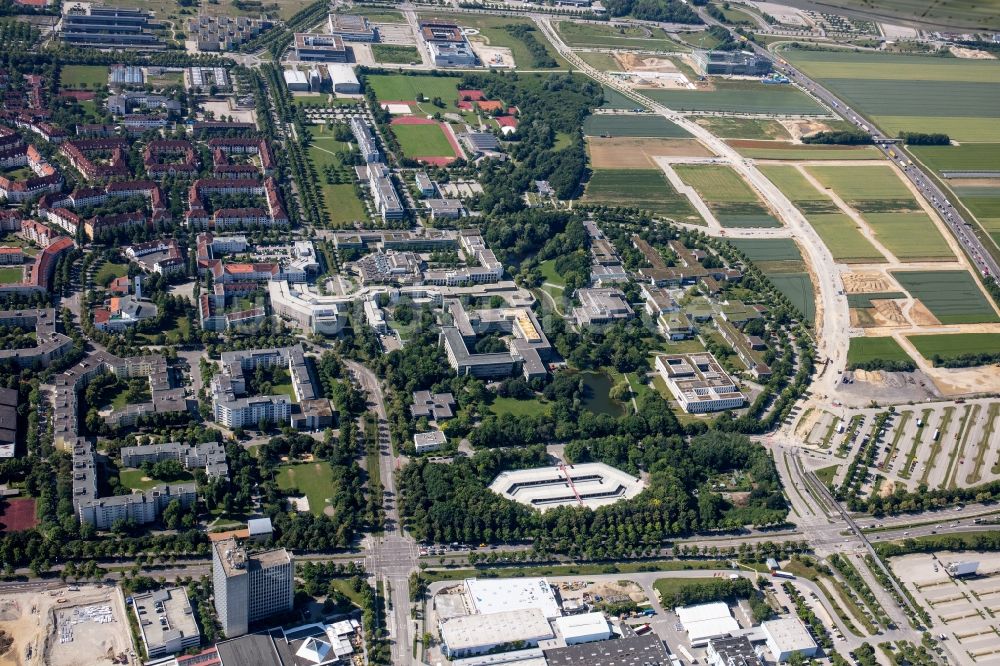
(905, 472)
(983, 446)
(865, 300)
(949, 412)
(951, 296)
(969, 415)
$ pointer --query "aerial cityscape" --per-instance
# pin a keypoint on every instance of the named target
(499, 333)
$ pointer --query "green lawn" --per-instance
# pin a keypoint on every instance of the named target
(863, 350)
(343, 207)
(423, 141)
(10, 274)
(136, 479)
(174, 330)
(548, 271)
(738, 96)
(406, 87)
(79, 76)
(610, 36)
(314, 480)
(534, 407)
(632, 126)
(108, 272)
(953, 345)
(643, 188)
(378, 14)
(953, 297)
(389, 53)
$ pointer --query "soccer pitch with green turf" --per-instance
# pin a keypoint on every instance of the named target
(632, 126)
(423, 141)
(954, 345)
(953, 297)
(75, 76)
(643, 188)
(738, 96)
(727, 194)
(401, 87)
(863, 350)
(957, 96)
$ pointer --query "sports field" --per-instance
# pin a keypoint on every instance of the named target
(726, 193)
(399, 87)
(951, 296)
(960, 97)
(967, 157)
(423, 141)
(632, 126)
(738, 97)
(779, 150)
(863, 350)
(954, 345)
(910, 236)
(81, 76)
(643, 188)
(610, 36)
(314, 480)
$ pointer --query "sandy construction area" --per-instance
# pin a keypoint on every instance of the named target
(867, 283)
(971, 54)
(637, 153)
(61, 628)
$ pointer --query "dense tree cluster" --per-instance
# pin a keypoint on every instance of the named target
(666, 11)
(843, 137)
(925, 139)
(540, 57)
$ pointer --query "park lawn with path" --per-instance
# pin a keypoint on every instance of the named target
(953, 297)
(313, 479)
(343, 207)
(108, 272)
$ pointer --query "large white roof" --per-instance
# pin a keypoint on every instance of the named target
(789, 634)
(706, 620)
(472, 632)
(494, 595)
(580, 626)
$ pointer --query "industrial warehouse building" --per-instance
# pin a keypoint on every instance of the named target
(787, 637)
(468, 635)
(706, 621)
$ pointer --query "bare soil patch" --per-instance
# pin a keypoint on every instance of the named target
(888, 313)
(867, 283)
(637, 153)
(800, 128)
(921, 316)
(970, 54)
(634, 62)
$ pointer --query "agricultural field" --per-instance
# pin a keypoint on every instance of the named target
(952, 14)
(738, 97)
(83, 76)
(863, 350)
(643, 188)
(782, 263)
(967, 157)
(615, 100)
(638, 152)
(983, 201)
(960, 97)
(781, 150)
(399, 87)
(343, 207)
(492, 31)
(727, 195)
(910, 236)
(632, 126)
(953, 297)
(744, 128)
(841, 235)
(953, 345)
(314, 480)
(423, 141)
(604, 62)
(597, 35)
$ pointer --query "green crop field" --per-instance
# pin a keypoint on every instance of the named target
(725, 192)
(643, 188)
(791, 181)
(492, 31)
(423, 141)
(863, 350)
(389, 53)
(314, 480)
(960, 97)
(760, 250)
(782, 151)
(976, 14)
(343, 207)
(745, 128)
(953, 297)
(967, 157)
(598, 60)
(984, 203)
(83, 76)
(910, 236)
(798, 289)
(781, 262)
(632, 126)
(840, 234)
(615, 100)
(402, 87)
(861, 183)
(738, 96)
(601, 36)
(953, 345)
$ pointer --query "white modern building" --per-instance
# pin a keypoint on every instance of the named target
(494, 595)
(468, 635)
(585, 628)
(699, 383)
(787, 637)
(425, 442)
(706, 621)
(343, 79)
(588, 484)
(296, 80)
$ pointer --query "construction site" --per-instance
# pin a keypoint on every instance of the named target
(69, 626)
